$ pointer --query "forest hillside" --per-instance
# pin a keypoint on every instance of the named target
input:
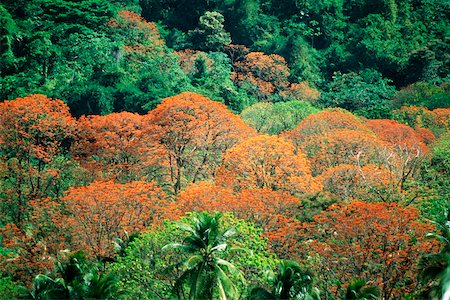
(234, 149)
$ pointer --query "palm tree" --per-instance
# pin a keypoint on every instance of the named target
(291, 282)
(74, 279)
(205, 273)
(435, 268)
(357, 290)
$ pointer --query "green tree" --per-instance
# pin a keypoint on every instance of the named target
(290, 282)
(74, 278)
(358, 290)
(147, 272)
(210, 34)
(434, 269)
(269, 118)
(366, 93)
(206, 274)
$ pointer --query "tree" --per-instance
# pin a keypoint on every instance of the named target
(321, 122)
(417, 94)
(365, 93)
(408, 148)
(341, 146)
(210, 35)
(301, 91)
(434, 267)
(74, 277)
(273, 211)
(377, 241)
(437, 120)
(205, 273)
(268, 118)
(347, 182)
(94, 216)
(149, 71)
(34, 132)
(118, 146)
(195, 132)
(290, 282)
(267, 162)
(263, 76)
(147, 272)
(357, 290)
(22, 256)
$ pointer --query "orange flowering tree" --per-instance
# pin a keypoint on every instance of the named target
(261, 75)
(94, 216)
(343, 146)
(273, 211)
(267, 162)
(378, 242)
(143, 37)
(118, 146)
(408, 149)
(324, 121)
(348, 182)
(34, 133)
(195, 132)
(23, 255)
(437, 120)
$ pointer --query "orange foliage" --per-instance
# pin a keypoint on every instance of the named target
(34, 127)
(408, 148)
(33, 130)
(398, 134)
(326, 120)
(300, 91)
(351, 182)
(266, 73)
(256, 205)
(379, 242)
(143, 37)
(103, 211)
(195, 132)
(437, 120)
(441, 118)
(267, 162)
(343, 146)
(118, 145)
(273, 211)
(27, 257)
(426, 135)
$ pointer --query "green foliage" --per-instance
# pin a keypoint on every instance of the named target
(358, 290)
(74, 278)
(205, 274)
(290, 282)
(366, 93)
(148, 272)
(8, 288)
(269, 118)
(422, 94)
(210, 35)
(436, 177)
(435, 267)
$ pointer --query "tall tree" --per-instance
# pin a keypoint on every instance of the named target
(195, 132)
(205, 273)
(34, 132)
(267, 162)
(377, 241)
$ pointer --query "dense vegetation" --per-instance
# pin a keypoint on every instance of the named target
(237, 149)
